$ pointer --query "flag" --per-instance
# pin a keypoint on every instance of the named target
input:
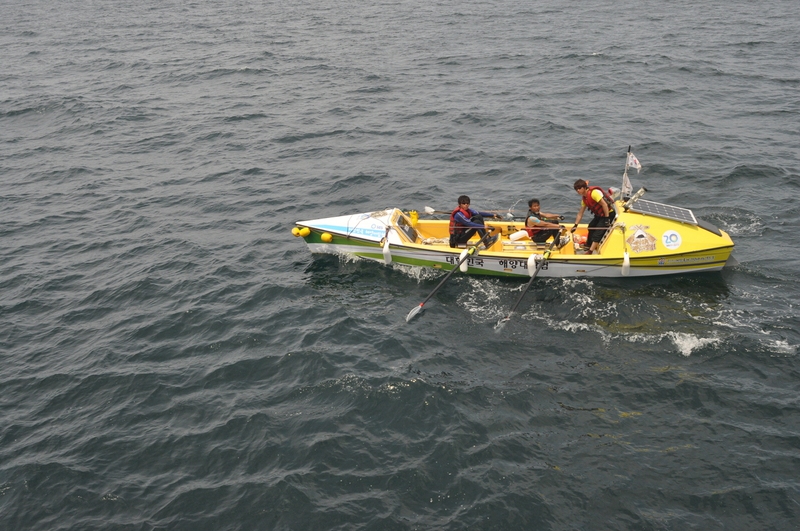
(633, 162)
(627, 188)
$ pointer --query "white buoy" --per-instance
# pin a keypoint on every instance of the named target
(387, 254)
(463, 267)
(532, 263)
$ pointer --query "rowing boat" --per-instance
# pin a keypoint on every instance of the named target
(646, 239)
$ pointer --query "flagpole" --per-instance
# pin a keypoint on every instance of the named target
(625, 191)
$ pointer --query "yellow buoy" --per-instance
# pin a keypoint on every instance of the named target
(305, 231)
(296, 231)
(326, 237)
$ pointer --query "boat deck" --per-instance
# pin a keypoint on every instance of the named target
(436, 233)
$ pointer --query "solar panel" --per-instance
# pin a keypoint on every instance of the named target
(643, 206)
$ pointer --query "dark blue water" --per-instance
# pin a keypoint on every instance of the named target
(173, 358)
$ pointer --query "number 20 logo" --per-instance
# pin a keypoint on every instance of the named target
(671, 239)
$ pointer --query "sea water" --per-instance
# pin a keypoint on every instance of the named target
(173, 358)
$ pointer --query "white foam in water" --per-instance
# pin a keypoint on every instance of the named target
(573, 326)
(488, 300)
(485, 299)
(348, 258)
(419, 273)
(688, 343)
(685, 342)
(781, 346)
(744, 224)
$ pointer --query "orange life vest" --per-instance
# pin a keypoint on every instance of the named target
(596, 207)
(454, 227)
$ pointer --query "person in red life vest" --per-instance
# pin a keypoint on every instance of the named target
(541, 225)
(465, 222)
(599, 203)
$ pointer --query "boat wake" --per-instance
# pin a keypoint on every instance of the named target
(690, 317)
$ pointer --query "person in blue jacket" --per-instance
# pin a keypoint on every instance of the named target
(465, 222)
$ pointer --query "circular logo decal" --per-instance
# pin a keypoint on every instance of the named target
(671, 239)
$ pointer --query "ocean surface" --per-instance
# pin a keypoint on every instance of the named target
(172, 358)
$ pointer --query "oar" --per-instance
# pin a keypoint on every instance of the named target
(546, 255)
(430, 210)
(464, 255)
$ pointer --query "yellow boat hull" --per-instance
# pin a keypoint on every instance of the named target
(654, 245)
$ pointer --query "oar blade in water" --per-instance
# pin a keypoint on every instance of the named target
(502, 323)
(413, 313)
